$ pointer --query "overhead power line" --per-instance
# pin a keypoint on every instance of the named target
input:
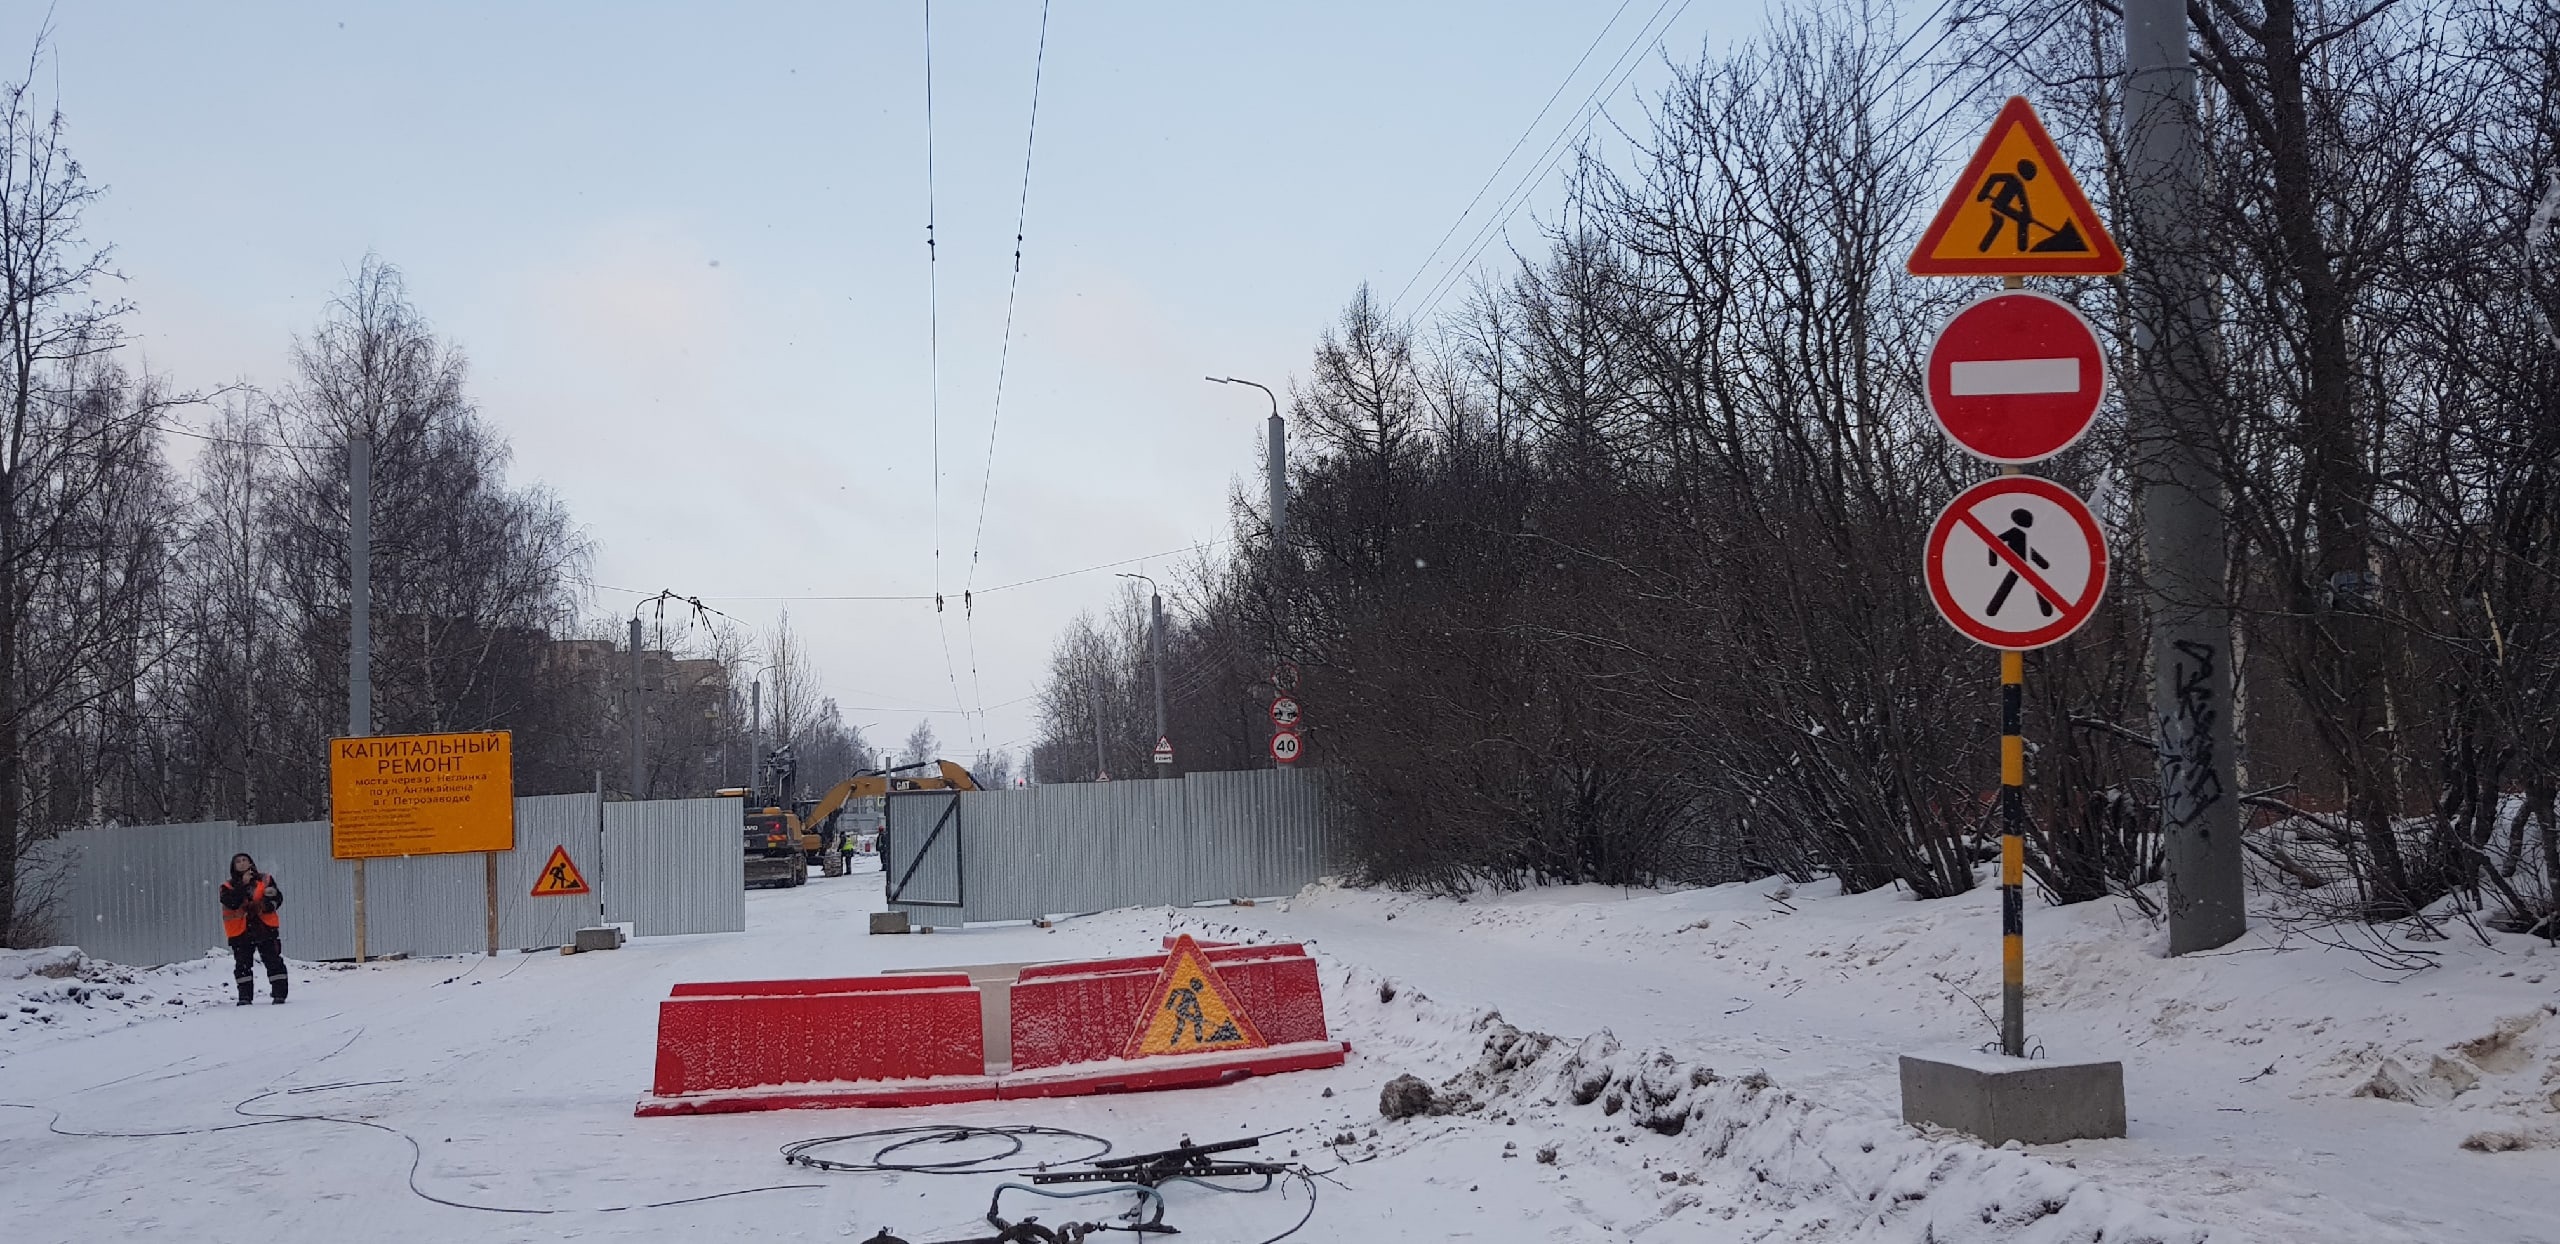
(1648, 37)
(1516, 145)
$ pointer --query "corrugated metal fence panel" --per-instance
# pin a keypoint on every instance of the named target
(1050, 850)
(421, 905)
(675, 866)
(544, 822)
(1254, 833)
(146, 895)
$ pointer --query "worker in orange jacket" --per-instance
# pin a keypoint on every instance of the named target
(249, 902)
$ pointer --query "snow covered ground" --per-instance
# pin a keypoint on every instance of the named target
(1709, 1065)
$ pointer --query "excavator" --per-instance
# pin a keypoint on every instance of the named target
(781, 843)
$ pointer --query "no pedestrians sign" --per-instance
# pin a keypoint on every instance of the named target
(2016, 562)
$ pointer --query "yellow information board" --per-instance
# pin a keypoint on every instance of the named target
(421, 794)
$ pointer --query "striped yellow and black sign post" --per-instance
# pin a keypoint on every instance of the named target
(2013, 859)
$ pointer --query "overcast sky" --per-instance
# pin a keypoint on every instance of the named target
(682, 246)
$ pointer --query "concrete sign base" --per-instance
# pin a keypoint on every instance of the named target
(2000, 1099)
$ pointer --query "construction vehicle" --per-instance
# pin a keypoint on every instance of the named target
(782, 843)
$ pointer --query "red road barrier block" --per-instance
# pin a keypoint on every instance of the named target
(832, 984)
(1084, 1012)
(768, 1033)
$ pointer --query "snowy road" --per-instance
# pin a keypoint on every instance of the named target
(514, 1079)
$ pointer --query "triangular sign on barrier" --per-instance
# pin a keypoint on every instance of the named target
(560, 878)
(1190, 1011)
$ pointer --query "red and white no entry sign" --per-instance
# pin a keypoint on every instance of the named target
(2016, 562)
(2016, 376)
(1284, 746)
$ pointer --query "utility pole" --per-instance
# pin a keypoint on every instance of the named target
(1155, 615)
(639, 716)
(2184, 547)
(1155, 650)
(755, 739)
(1101, 767)
(359, 619)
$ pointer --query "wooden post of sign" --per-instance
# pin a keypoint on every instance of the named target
(490, 862)
(359, 909)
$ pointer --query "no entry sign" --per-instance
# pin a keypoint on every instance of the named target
(2016, 562)
(2016, 377)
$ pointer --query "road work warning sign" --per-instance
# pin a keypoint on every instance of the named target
(2016, 211)
(421, 794)
(560, 878)
(1190, 1010)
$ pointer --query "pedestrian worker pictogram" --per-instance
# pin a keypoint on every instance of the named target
(1190, 1010)
(2016, 211)
(2017, 562)
(560, 878)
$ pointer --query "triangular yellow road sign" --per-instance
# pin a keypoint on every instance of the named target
(560, 878)
(2017, 211)
(1190, 1010)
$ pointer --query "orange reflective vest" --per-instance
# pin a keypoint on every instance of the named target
(236, 921)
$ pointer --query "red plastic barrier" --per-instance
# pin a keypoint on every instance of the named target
(1060, 1018)
(1221, 953)
(893, 1030)
(833, 984)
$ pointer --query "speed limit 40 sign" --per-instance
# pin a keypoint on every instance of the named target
(1285, 747)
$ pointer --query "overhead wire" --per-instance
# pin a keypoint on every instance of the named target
(1516, 144)
(1004, 359)
(933, 353)
(1648, 37)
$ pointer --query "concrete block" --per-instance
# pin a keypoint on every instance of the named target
(888, 922)
(601, 937)
(2000, 1099)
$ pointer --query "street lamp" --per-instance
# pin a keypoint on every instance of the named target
(1276, 463)
(1155, 642)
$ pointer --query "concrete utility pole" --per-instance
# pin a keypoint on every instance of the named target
(1155, 647)
(2186, 555)
(1101, 767)
(639, 716)
(755, 739)
(359, 619)
(359, 587)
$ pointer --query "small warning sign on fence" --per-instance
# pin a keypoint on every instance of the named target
(559, 878)
(1190, 1010)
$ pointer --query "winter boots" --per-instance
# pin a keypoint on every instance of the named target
(276, 983)
(248, 991)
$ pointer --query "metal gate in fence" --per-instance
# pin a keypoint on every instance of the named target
(1092, 846)
(921, 854)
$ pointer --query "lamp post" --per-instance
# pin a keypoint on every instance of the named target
(1155, 649)
(1276, 458)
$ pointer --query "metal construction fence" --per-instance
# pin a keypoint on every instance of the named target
(1090, 846)
(145, 894)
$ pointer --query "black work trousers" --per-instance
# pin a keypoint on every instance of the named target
(270, 949)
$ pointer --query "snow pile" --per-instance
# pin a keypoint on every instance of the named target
(1771, 1155)
(1702, 1144)
(58, 991)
